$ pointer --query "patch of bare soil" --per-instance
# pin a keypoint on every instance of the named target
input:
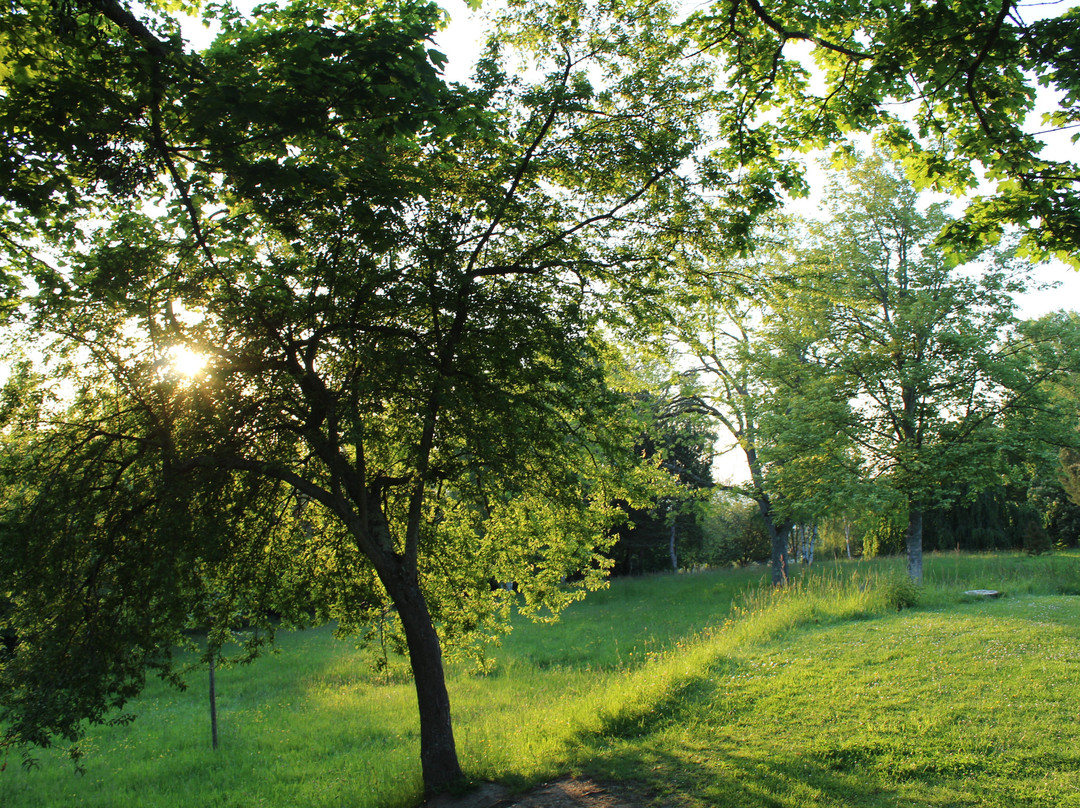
(568, 792)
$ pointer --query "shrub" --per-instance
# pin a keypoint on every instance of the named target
(900, 592)
(888, 536)
(1036, 540)
(734, 533)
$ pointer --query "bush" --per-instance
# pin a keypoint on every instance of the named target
(734, 533)
(900, 592)
(888, 536)
(1036, 540)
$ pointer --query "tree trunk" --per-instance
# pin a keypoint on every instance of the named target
(398, 574)
(213, 705)
(671, 550)
(914, 544)
(779, 536)
(438, 752)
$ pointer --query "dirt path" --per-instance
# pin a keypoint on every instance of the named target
(569, 792)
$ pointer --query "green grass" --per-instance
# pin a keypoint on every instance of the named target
(707, 689)
(973, 706)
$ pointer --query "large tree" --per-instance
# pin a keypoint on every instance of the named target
(757, 382)
(396, 287)
(720, 333)
(930, 354)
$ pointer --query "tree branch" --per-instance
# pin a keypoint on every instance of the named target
(787, 33)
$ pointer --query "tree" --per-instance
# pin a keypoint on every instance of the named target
(1028, 509)
(880, 68)
(760, 389)
(721, 338)
(931, 355)
(1070, 474)
(1057, 479)
(734, 531)
(682, 444)
(396, 286)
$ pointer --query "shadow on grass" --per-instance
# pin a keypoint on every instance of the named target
(676, 705)
(721, 772)
(720, 738)
(716, 768)
(685, 749)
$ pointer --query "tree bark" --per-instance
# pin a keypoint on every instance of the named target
(438, 752)
(213, 706)
(778, 536)
(914, 544)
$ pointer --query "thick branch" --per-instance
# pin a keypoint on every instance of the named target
(787, 34)
(980, 113)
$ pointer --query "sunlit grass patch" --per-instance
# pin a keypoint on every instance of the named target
(964, 704)
(712, 688)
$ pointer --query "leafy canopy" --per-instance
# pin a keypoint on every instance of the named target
(399, 289)
(947, 86)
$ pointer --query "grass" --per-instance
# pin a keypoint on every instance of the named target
(971, 706)
(706, 688)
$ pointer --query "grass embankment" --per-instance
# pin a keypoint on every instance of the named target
(821, 695)
(826, 696)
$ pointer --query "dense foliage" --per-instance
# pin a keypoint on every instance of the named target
(667, 533)
(395, 286)
(949, 86)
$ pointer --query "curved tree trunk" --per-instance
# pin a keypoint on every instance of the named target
(438, 752)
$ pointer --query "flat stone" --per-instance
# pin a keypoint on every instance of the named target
(983, 593)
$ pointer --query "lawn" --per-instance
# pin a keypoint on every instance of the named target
(975, 705)
(705, 688)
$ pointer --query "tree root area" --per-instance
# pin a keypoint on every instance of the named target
(567, 792)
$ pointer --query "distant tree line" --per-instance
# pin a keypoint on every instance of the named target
(874, 380)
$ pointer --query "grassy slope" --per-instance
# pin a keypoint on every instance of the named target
(819, 697)
(971, 706)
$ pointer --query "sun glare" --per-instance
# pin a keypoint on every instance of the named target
(186, 363)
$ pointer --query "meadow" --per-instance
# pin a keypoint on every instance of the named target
(701, 689)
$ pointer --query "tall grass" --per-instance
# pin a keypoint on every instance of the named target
(1012, 573)
(549, 735)
(826, 595)
(315, 724)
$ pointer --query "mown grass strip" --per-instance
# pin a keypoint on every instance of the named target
(970, 706)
